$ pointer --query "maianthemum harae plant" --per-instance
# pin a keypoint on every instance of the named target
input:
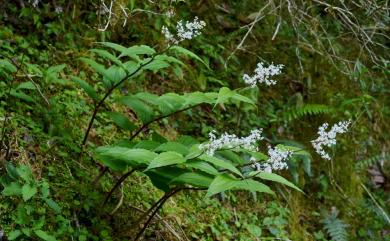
(223, 163)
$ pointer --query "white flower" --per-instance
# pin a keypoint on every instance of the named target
(58, 10)
(262, 74)
(231, 141)
(35, 3)
(328, 138)
(189, 30)
(277, 160)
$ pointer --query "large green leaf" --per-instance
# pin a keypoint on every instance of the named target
(276, 178)
(115, 74)
(220, 163)
(162, 177)
(137, 50)
(173, 146)
(196, 98)
(170, 102)
(166, 159)
(119, 158)
(147, 144)
(155, 64)
(221, 183)
(203, 166)
(195, 179)
(144, 112)
(226, 182)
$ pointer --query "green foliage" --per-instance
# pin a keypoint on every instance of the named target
(335, 227)
(32, 202)
(306, 110)
(165, 99)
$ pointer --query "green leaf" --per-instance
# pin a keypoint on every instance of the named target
(276, 178)
(232, 156)
(118, 158)
(122, 121)
(253, 186)
(86, 87)
(21, 95)
(44, 236)
(186, 52)
(173, 146)
(45, 189)
(166, 159)
(53, 205)
(107, 55)
(25, 173)
(26, 85)
(5, 64)
(147, 144)
(170, 103)
(169, 59)
(221, 183)
(226, 182)
(137, 50)
(220, 163)
(225, 94)
(12, 171)
(203, 166)
(162, 176)
(195, 179)
(114, 46)
(194, 152)
(115, 74)
(196, 98)
(155, 65)
(144, 112)
(12, 189)
(99, 69)
(28, 191)
(14, 234)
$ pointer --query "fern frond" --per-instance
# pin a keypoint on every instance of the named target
(335, 227)
(363, 164)
(306, 110)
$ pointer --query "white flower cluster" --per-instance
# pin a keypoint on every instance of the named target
(328, 138)
(277, 160)
(231, 141)
(189, 30)
(262, 74)
(34, 3)
(58, 10)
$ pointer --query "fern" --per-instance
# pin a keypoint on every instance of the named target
(363, 164)
(306, 110)
(335, 227)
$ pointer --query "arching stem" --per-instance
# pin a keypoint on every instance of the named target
(117, 184)
(160, 204)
